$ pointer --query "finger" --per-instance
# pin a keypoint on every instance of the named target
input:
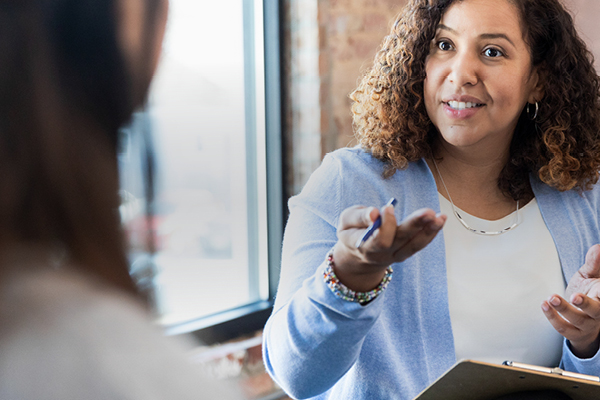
(421, 239)
(437, 224)
(355, 220)
(575, 316)
(587, 304)
(357, 217)
(416, 222)
(384, 236)
(591, 268)
(562, 326)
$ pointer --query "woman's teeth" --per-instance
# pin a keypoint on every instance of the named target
(459, 105)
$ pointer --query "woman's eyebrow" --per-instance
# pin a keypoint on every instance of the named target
(447, 28)
(483, 35)
(496, 36)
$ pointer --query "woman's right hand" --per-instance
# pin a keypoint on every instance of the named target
(362, 269)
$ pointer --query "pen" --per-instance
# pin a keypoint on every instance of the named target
(375, 225)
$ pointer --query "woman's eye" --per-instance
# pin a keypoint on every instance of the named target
(493, 53)
(444, 46)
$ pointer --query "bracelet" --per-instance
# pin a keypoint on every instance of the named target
(345, 293)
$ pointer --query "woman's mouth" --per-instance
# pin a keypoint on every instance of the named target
(461, 110)
(459, 105)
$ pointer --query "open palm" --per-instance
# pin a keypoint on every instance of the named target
(587, 279)
(578, 319)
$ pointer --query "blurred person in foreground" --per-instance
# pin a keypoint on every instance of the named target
(72, 324)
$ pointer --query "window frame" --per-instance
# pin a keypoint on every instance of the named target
(250, 318)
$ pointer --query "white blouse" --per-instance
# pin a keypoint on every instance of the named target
(496, 285)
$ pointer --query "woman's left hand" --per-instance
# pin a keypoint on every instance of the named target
(579, 320)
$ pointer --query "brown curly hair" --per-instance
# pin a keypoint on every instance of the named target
(563, 144)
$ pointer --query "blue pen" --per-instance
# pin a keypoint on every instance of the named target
(375, 225)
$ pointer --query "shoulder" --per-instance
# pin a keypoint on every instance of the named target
(326, 191)
(346, 163)
(593, 194)
(358, 167)
(568, 198)
(355, 160)
(65, 328)
(352, 176)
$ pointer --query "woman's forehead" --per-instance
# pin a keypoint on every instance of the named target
(483, 18)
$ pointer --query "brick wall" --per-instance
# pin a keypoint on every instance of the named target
(324, 59)
(329, 43)
(351, 32)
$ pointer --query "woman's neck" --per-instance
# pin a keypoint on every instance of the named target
(471, 180)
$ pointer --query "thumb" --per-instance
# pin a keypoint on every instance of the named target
(357, 217)
(591, 268)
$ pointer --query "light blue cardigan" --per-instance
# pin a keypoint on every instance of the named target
(319, 346)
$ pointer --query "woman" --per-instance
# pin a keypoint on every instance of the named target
(481, 117)
(72, 324)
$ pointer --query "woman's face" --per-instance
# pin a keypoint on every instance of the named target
(479, 75)
(132, 15)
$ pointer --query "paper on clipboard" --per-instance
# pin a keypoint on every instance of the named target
(478, 380)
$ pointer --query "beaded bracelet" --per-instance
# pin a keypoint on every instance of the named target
(344, 292)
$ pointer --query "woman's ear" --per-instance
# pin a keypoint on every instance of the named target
(538, 92)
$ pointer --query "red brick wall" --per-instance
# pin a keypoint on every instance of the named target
(348, 33)
(351, 33)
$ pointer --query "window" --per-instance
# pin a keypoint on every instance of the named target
(213, 118)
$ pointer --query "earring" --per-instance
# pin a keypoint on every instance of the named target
(536, 111)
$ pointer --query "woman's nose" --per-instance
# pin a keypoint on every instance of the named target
(464, 69)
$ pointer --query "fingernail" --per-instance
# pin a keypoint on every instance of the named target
(555, 301)
(577, 300)
(545, 306)
(437, 225)
(433, 227)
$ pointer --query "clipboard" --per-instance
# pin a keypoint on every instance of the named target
(470, 379)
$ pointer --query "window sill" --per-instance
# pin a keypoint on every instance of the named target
(227, 325)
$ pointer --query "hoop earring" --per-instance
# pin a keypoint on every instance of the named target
(536, 111)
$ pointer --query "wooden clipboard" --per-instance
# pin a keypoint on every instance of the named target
(477, 380)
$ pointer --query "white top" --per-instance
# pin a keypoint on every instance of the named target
(496, 285)
(65, 337)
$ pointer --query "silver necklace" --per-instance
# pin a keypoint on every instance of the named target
(464, 223)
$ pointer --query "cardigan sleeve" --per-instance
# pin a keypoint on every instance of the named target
(313, 338)
(573, 220)
(588, 208)
(570, 362)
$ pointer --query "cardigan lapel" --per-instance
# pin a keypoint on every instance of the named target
(562, 214)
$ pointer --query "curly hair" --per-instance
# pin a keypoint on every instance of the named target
(562, 146)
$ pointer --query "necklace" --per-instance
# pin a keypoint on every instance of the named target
(464, 223)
